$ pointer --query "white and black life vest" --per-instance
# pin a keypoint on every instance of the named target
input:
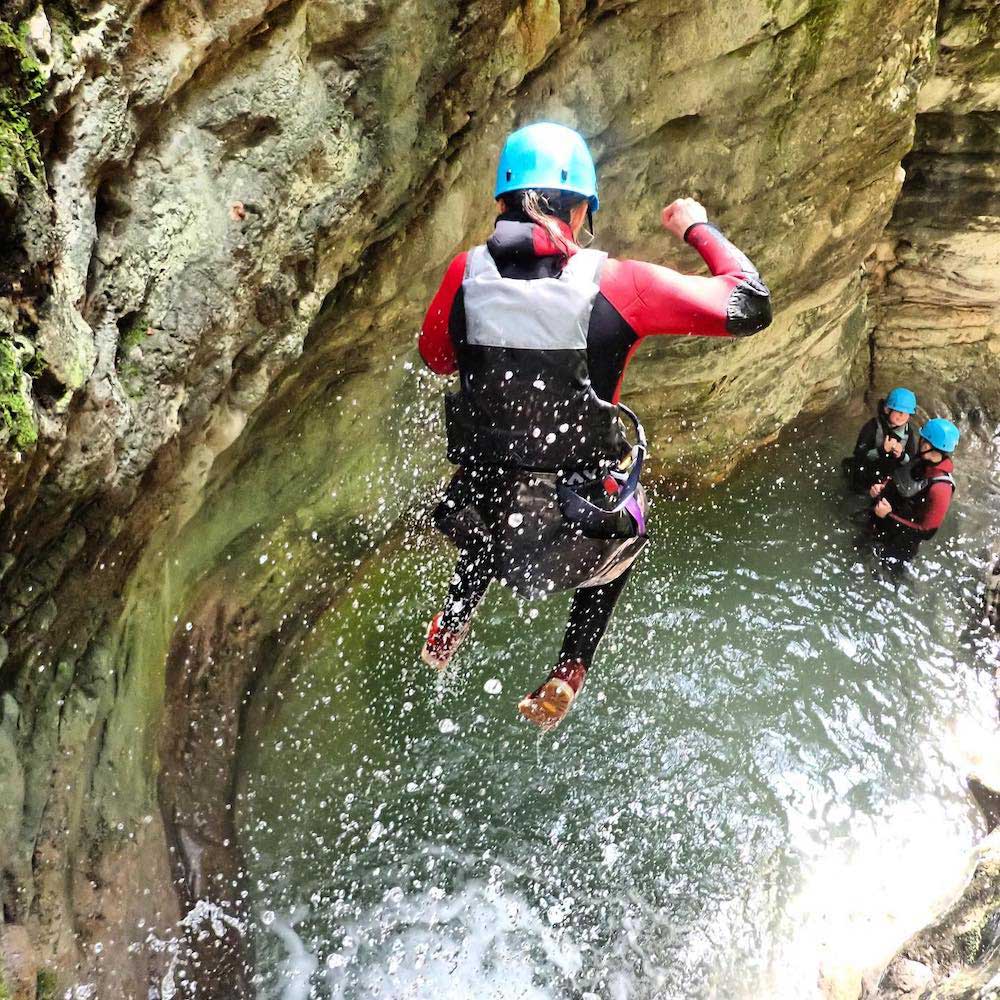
(880, 439)
(912, 488)
(525, 399)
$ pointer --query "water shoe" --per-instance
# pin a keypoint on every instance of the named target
(441, 643)
(547, 706)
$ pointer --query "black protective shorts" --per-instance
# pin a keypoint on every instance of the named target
(535, 549)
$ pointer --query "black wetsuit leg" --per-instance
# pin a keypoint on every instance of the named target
(473, 574)
(589, 616)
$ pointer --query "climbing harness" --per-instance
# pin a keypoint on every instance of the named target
(624, 517)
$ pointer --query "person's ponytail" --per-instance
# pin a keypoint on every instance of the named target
(543, 208)
(535, 205)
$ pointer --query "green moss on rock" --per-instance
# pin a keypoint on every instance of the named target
(16, 416)
(22, 84)
(969, 943)
(47, 985)
(65, 22)
(133, 334)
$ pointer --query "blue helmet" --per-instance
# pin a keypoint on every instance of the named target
(901, 399)
(547, 156)
(942, 434)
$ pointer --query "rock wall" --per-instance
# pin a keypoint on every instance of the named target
(938, 266)
(221, 227)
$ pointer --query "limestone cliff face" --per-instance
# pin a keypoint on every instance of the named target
(938, 307)
(221, 225)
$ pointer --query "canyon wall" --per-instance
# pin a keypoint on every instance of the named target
(936, 268)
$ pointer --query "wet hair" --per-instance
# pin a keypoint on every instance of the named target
(542, 206)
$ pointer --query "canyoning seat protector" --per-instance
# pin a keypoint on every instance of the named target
(517, 514)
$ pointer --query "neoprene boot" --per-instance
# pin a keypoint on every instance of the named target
(441, 643)
(547, 706)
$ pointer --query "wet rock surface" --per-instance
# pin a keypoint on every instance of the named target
(956, 956)
(936, 310)
(220, 230)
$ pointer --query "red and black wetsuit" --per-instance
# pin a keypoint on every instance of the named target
(916, 519)
(636, 299)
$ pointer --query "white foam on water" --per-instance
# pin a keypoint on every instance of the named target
(479, 942)
(864, 896)
(299, 964)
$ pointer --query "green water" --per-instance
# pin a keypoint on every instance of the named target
(770, 740)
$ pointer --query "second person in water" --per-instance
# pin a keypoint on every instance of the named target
(885, 443)
(911, 504)
(540, 331)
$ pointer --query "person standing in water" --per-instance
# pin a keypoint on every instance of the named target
(540, 331)
(911, 506)
(884, 443)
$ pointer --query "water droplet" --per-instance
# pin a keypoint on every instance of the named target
(267, 918)
(493, 686)
(515, 520)
(447, 726)
(555, 914)
(375, 832)
(538, 384)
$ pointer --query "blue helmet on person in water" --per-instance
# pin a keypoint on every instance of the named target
(902, 400)
(547, 156)
(942, 434)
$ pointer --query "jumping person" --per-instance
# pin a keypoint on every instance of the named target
(886, 442)
(910, 507)
(540, 331)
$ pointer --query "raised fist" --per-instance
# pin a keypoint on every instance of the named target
(681, 214)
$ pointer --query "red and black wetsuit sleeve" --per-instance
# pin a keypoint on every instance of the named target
(932, 511)
(435, 344)
(639, 299)
(658, 300)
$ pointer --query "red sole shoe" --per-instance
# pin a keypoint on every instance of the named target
(441, 646)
